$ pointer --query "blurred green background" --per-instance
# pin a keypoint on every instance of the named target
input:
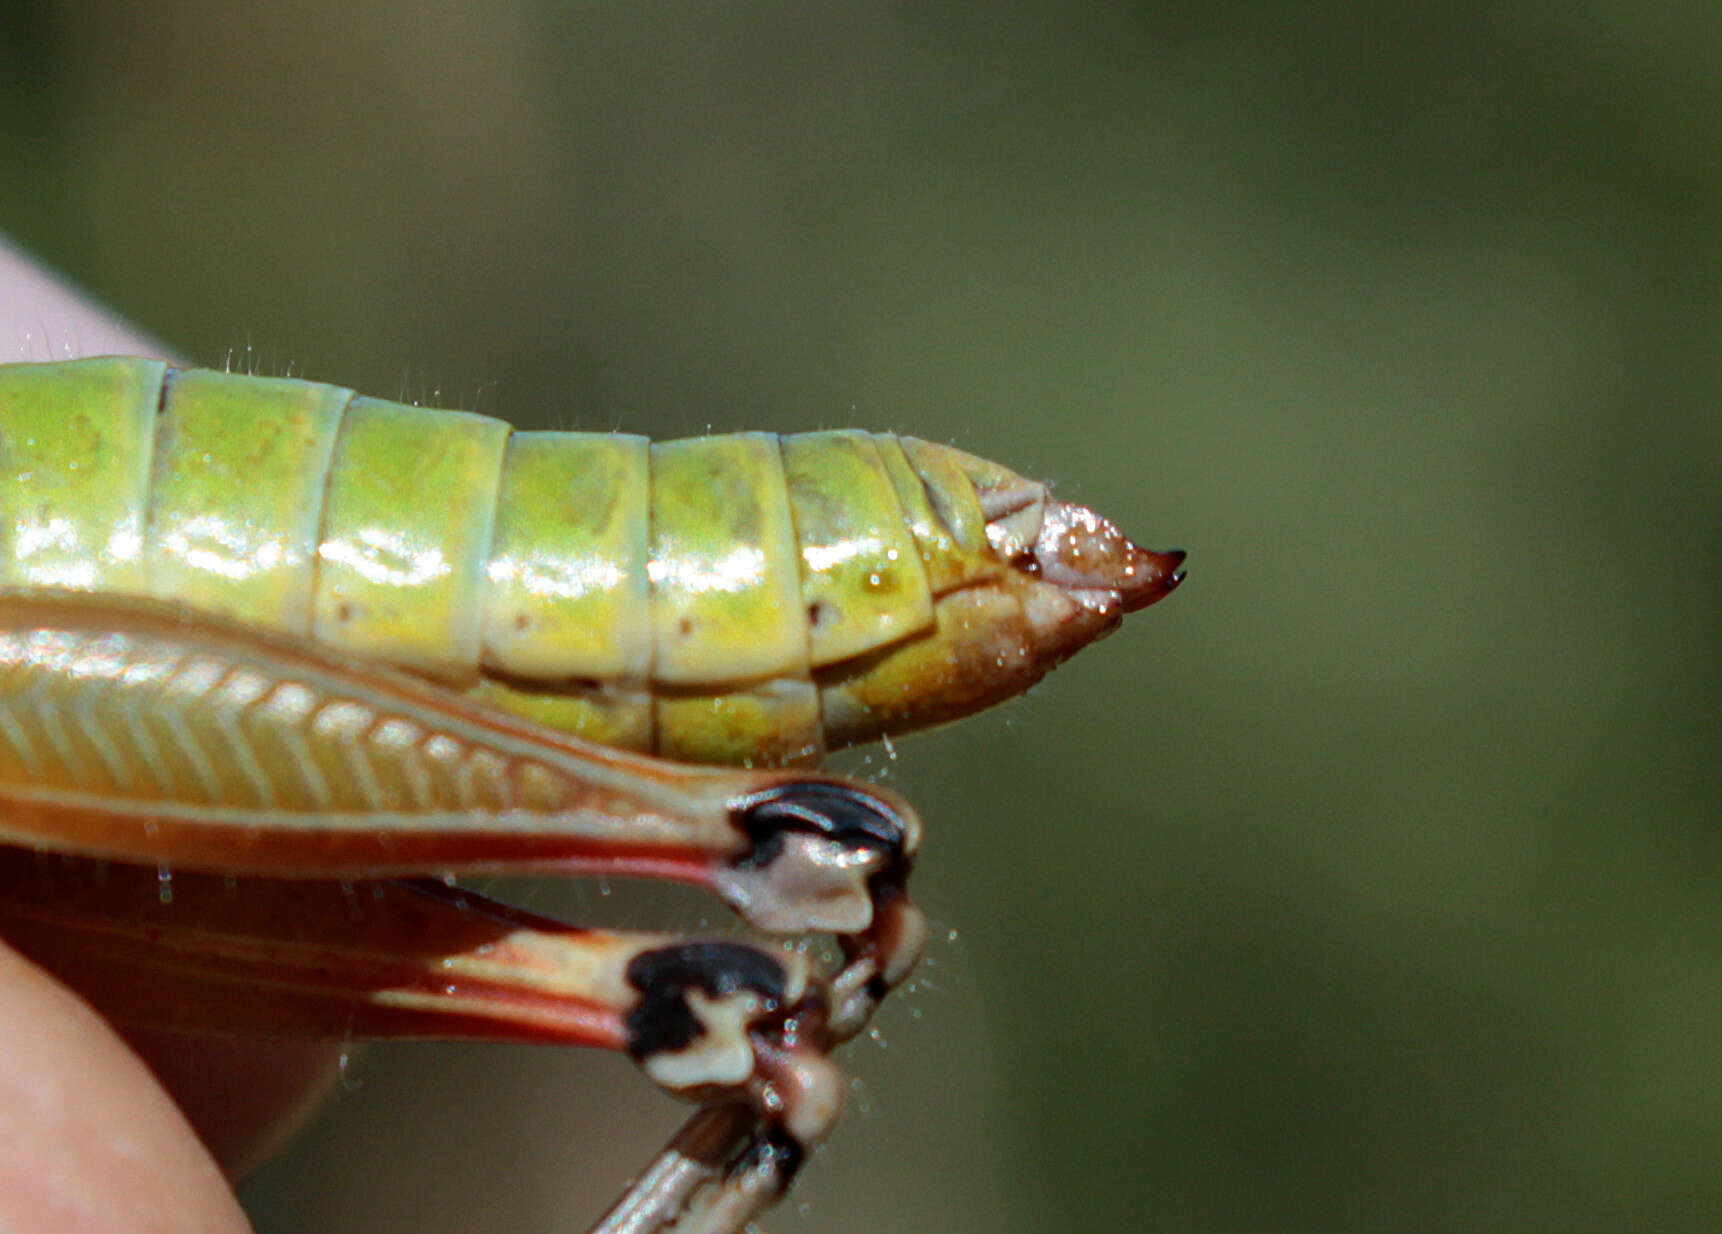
(1374, 882)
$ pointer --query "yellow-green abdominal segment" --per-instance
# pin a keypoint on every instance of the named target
(234, 506)
(746, 598)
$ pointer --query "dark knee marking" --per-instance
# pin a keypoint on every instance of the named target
(846, 813)
(663, 1021)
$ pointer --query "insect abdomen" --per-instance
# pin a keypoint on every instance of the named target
(734, 599)
(683, 596)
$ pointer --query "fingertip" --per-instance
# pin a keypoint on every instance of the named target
(89, 1141)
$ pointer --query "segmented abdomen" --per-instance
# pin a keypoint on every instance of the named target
(699, 598)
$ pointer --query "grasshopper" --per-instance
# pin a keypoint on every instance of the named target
(320, 654)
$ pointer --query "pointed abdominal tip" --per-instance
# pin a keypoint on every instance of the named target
(1084, 552)
(1151, 576)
